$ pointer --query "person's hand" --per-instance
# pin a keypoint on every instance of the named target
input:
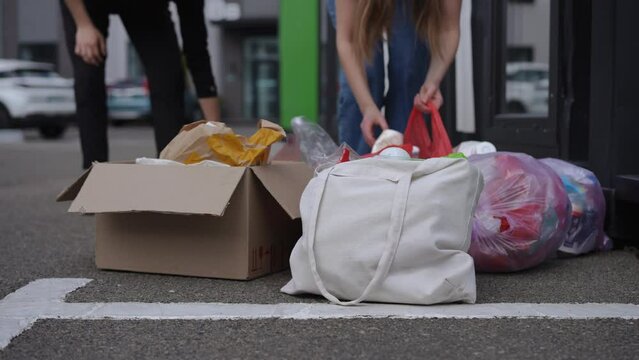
(428, 93)
(372, 117)
(90, 45)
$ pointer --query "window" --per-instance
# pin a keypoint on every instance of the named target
(40, 52)
(527, 58)
(41, 73)
(520, 53)
(517, 72)
(527, 75)
(261, 78)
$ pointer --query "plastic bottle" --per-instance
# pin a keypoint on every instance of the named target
(316, 145)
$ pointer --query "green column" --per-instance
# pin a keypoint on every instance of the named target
(299, 60)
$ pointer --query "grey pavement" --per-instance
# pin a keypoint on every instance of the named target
(38, 239)
(329, 339)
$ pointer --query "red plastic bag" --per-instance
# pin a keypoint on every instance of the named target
(523, 213)
(416, 133)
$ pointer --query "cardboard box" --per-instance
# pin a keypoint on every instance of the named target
(222, 222)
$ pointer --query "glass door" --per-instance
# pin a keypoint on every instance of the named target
(261, 78)
(525, 77)
(518, 74)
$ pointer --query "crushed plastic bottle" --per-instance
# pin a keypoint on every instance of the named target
(343, 153)
(316, 145)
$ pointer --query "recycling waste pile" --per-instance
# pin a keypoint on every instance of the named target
(211, 206)
(402, 224)
(411, 222)
(523, 213)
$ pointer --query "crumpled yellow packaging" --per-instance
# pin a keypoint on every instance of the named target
(215, 141)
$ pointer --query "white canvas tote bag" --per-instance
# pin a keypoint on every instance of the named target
(386, 230)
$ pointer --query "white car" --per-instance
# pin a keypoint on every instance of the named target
(527, 88)
(34, 95)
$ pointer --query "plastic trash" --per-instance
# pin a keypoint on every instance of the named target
(203, 140)
(153, 161)
(395, 152)
(316, 145)
(523, 214)
(343, 153)
(387, 138)
(417, 134)
(237, 150)
(469, 148)
(586, 231)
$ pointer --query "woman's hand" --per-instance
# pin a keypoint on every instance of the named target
(90, 45)
(372, 117)
(428, 93)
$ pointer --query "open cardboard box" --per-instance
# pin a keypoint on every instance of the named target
(222, 222)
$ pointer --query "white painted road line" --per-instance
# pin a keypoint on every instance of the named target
(44, 299)
(20, 309)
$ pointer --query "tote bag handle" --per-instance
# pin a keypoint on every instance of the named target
(392, 240)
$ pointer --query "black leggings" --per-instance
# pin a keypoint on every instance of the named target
(151, 30)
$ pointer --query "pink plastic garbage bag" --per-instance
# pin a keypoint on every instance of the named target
(523, 214)
(586, 231)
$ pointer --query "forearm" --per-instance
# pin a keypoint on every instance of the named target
(79, 13)
(210, 108)
(355, 74)
(440, 61)
(352, 65)
(195, 46)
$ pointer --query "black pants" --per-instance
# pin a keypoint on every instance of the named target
(151, 30)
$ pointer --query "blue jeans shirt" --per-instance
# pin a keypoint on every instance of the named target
(407, 66)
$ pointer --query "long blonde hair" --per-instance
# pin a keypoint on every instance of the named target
(372, 17)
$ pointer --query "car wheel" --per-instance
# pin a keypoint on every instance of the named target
(515, 107)
(5, 117)
(52, 131)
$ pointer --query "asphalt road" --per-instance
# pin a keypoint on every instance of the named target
(38, 239)
(355, 339)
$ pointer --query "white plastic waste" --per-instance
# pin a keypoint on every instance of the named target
(395, 153)
(316, 145)
(469, 148)
(388, 137)
(153, 161)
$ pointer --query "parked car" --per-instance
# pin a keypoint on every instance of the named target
(33, 95)
(527, 87)
(129, 100)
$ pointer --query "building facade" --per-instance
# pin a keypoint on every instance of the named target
(242, 42)
(244, 47)
(31, 32)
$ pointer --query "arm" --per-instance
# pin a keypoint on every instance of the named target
(89, 42)
(194, 42)
(441, 60)
(354, 70)
(210, 108)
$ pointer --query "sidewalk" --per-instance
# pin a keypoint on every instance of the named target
(40, 240)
